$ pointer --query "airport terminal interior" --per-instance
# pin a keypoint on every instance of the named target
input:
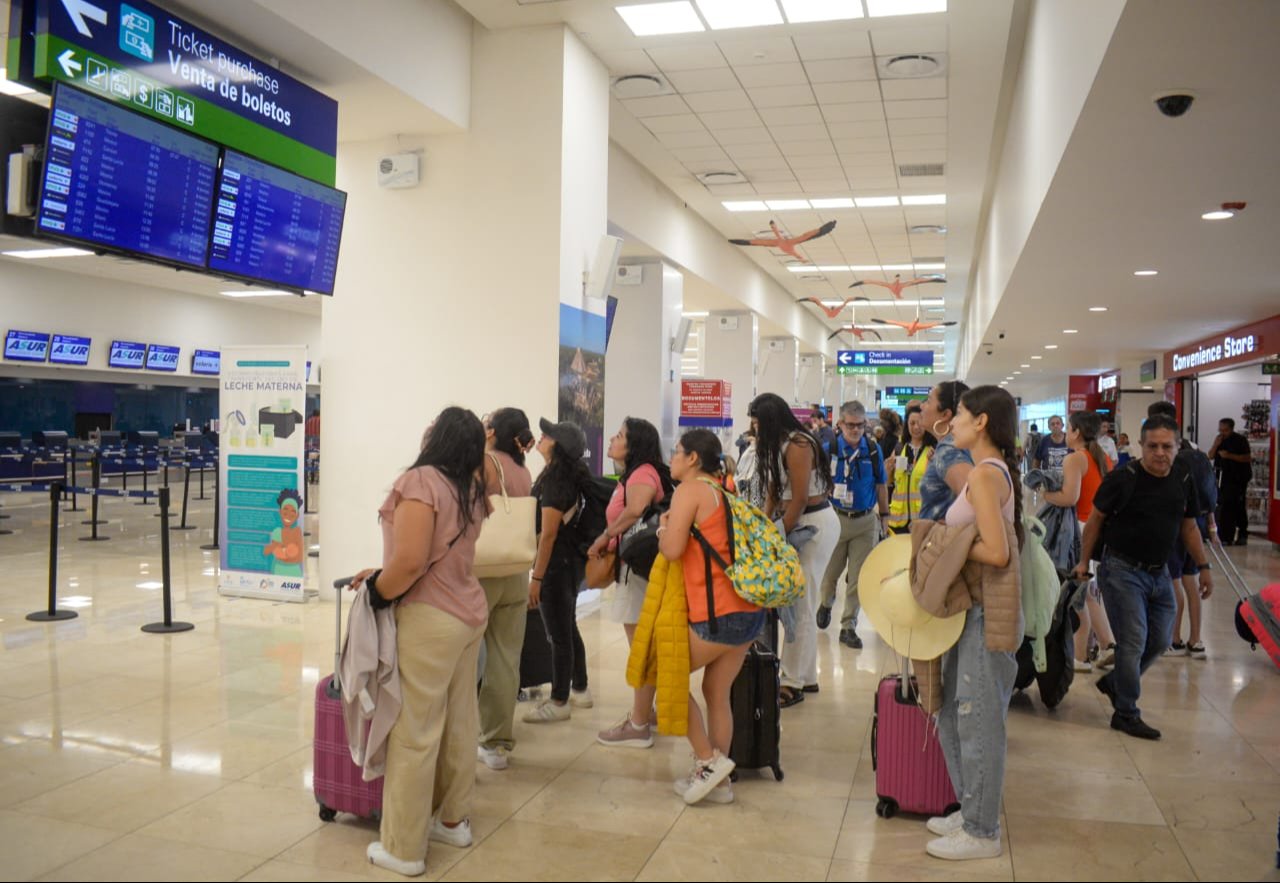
(225, 218)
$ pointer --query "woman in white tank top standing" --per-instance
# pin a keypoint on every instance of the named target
(789, 457)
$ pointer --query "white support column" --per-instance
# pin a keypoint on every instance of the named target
(731, 345)
(778, 366)
(809, 378)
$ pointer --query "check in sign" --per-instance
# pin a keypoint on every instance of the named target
(884, 361)
(155, 63)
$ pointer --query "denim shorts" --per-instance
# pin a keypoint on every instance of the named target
(731, 628)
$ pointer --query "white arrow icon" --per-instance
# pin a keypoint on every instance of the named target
(79, 10)
(70, 66)
(845, 357)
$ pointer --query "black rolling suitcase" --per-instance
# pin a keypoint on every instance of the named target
(535, 656)
(757, 714)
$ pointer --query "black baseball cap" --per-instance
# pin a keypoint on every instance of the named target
(568, 435)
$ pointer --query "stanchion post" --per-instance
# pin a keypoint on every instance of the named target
(168, 625)
(186, 489)
(217, 509)
(166, 477)
(52, 613)
(145, 501)
(202, 496)
(93, 508)
(75, 498)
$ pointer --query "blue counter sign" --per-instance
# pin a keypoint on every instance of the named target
(26, 346)
(206, 362)
(126, 354)
(69, 350)
(162, 358)
(884, 361)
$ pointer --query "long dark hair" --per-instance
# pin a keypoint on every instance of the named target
(775, 424)
(511, 432)
(1089, 424)
(455, 445)
(1002, 430)
(562, 472)
(929, 441)
(644, 448)
(704, 443)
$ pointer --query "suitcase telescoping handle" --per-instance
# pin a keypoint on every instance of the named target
(338, 585)
(1229, 570)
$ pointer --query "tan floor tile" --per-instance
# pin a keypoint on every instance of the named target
(1231, 855)
(292, 771)
(234, 749)
(1038, 744)
(500, 793)
(808, 826)
(528, 851)
(135, 857)
(1071, 849)
(605, 803)
(1080, 794)
(944, 872)
(286, 872)
(339, 848)
(255, 819)
(711, 861)
(32, 846)
(36, 767)
(866, 838)
(1210, 804)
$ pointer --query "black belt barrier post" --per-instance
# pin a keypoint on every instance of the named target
(75, 498)
(93, 508)
(145, 501)
(166, 478)
(186, 489)
(53, 614)
(202, 496)
(217, 510)
(168, 625)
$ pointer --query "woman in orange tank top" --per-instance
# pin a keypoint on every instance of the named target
(719, 645)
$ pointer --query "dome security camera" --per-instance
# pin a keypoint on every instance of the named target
(1174, 104)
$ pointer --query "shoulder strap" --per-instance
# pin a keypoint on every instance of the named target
(502, 477)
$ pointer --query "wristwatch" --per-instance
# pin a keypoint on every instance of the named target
(1206, 566)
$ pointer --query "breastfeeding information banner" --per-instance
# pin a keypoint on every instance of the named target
(261, 457)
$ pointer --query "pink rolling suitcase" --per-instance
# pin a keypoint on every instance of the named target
(337, 781)
(911, 773)
(1257, 616)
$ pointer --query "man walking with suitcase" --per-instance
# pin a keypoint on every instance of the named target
(1139, 512)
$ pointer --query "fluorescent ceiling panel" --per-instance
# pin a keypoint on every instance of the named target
(786, 205)
(821, 10)
(931, 199)
(875, 201)
(841, 202)
(650, 19)
(723, 14)
(880, 8)
(750, 205)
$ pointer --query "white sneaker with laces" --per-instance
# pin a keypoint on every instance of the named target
(459, 835)
(546, 712)
(960, 845)
(581, 698)
(722, 793)
(493, 758)
(379, 856)
(626, 735)
(944, 825)
(707, 774)
(1196, 651)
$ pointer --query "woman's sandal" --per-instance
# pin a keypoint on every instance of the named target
(788, 696)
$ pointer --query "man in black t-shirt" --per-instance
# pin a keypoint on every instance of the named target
(1232, 458)
(1139, 511)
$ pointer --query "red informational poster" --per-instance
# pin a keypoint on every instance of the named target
(706, 403)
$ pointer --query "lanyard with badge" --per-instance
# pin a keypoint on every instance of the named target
(842, 492)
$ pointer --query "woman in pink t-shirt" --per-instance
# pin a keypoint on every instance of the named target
(646, 481)
(430, 521)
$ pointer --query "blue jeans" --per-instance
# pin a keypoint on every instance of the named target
(1141, 608)
(976, 686)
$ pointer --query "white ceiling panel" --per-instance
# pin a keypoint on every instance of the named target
(910, 90)
(734, 137)
(781, 96)
(753, 76)
(840, 70)
(916, 38)
(869, 182)
(731, 191)
(817, 46)
(687, 58)
(764, 168)
(702, 166)
(687, 139)
(868, 130)
(919, 142)
(901, 110)
(823, 186)
(905, 157)
(699, 154)
(811, 132)
(718, 120)
(680, 122)
(769, 178)
(918, 126)
(926, 214)
(727, 99)
(853, 112)
(881, 220)
(628, 61)
(753, 151)
(662, 105)
(802, 114)
(762, 50)
(778, 184)
(858, 133)
(820, 161)
(709, 80)
(817, 147)
(842, 93)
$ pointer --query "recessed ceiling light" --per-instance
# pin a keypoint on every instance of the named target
(1097, 309)
(8, 87)
(1033, 358)
(878, 8)
(1010, 377)
(1051, 346)
(1004, 383)
(841, 202)
(258, 292)
(897, 268)
(936, 310)
(821, 10)
(1146, 387)
(875, 201)
(1220, 215)
(1145, 272)
(721, 14)
(1017, 372)
(933, 199)
(696, 314)
(1070, 331)
(747, 205)
(649, 19)
(35, 254)
(930, 266)
(786, 205)
(1024, 366)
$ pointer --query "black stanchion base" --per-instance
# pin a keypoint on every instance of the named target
(2, 516)
(145, 503)
(68, 509)
(155, 514)
(46, 616)
(211, 547)
(91, 521)
(180, 527)
(306, 533)
(5, 532)
(159, 628)
(94, 539)
(315, 554)
(198, 499)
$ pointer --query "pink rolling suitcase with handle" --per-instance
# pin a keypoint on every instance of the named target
(1257, 616)
(338, 783)
(911, 773)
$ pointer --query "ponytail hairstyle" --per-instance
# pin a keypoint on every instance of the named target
(704, 443)
(511, 433)
(1002, 431)
(1089, 425)
(949, 393)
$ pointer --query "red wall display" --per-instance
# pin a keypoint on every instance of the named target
(706, 403)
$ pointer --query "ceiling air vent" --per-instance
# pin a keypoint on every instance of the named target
(640, 86)
(921, 169)
(919, 229)
(912, 66)
(724, 177)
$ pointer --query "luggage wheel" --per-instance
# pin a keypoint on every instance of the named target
(777, 772)
(327, 814)
(886, 808)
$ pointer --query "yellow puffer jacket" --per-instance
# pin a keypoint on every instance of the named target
(660, 651)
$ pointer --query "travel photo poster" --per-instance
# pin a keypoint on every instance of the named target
(582, 344)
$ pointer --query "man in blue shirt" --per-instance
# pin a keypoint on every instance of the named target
(861, 500)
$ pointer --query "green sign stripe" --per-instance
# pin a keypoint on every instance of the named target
(247, 363)
(211, 121)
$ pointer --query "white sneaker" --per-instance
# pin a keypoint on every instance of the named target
(944, 825)
(1081, 666)
(706, 775)
(383, 859)
(581, 698)
(546, 712)
(459, 835)
(960, 845)
(1196, 651)
(494, 758)
(722, 793)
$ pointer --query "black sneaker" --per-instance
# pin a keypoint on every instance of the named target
(824, 616)
(1134, 726)
(850, 638)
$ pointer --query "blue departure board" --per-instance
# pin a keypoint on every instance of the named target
(119, 180)
(126, 354)
(26, 346)
(69, 350)
(275, 227)
(162, 358)
(206, 362)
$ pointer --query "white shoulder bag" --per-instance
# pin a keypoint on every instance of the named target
(508, 543)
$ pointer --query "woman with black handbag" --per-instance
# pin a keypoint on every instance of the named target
(632, 517)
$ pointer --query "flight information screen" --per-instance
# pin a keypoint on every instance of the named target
(26, 346)
(116, 179)
(69, 350)
(275, 227)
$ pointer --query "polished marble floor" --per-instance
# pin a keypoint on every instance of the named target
(130, 756)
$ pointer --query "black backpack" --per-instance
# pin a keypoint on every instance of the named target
(1056, 679)
(589, 520)
(638, 547)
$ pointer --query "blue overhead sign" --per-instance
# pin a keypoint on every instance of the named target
(884, 361)
(126, 354)
(69, 350)
(162, 358)
(26, 346)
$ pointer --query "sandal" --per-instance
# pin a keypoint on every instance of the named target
(788, 696)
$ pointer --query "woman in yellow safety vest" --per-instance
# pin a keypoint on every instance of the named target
(908, 468)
